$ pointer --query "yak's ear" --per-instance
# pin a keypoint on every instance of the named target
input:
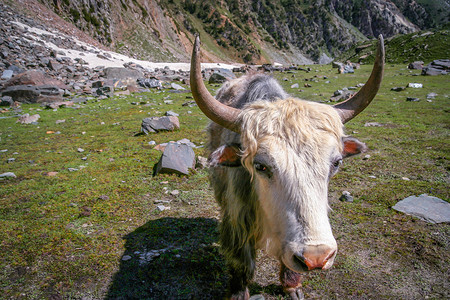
(352, 147)
(226, 155)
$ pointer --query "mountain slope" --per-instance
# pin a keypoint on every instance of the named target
(249, 31)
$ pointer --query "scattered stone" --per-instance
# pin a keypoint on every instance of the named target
(103, 198)
(218, 75)
(125, 75)
(177, 87)
(177, 158)
(431, 95)
(341, 95)
(27, 119)
(405, 178)
(60, 121)
(162, 207)
(80, 150)
(152, 143)
(51, 174)
(58, 104)
(72, 169)
(156, 124)
(427, 208)
(202, 162)
(295, 86)
(6, 101)
(346, 196)
(175, 192)
(11, 160)
(412, 99)
(366, 157)
(8, 175)
(398, 89)
(7, 74)
(126, 257)
(417, 65)
(415, 85)
(149, 83)
(373, 124)
(171, 113)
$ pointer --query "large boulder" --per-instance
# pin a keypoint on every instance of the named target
(416, 65)
(124, 75)
(34, 78)
(437, 67)
(176, 159)
(428, 208)
(219, 75)
(34, 94)
(156, 124)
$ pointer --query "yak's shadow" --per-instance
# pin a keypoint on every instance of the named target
(171, 258)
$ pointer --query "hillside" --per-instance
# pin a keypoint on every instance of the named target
(403, 49)
(248, 31)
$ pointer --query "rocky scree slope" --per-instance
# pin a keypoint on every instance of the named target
(249, 31)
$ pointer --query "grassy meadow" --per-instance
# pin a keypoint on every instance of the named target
(90, 233)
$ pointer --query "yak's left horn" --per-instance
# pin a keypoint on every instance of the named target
(356, 104)
(218, 112)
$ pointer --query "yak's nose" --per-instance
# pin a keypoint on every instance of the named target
(316, 257)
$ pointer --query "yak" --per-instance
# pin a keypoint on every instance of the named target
(271, 159)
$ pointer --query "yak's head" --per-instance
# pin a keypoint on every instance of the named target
(291, 148)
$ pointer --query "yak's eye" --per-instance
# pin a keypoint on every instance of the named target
(262, 169)
(337, 163)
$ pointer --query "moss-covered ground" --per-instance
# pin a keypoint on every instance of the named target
(82, 234)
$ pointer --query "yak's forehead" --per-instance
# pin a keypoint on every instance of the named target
(302, 126)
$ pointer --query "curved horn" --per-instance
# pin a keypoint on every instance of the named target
(356, 104)
(218, 112)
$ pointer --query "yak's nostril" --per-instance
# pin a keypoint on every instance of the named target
(300, 260)
(316, 257)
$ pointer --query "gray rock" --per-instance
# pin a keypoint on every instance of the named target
(6, 101)
(7, 74)
(373, 124)
(177, 87)
(415, 85)
(8, 175)
(417, 65)
(437, 67)
(217, 78)
(202, 162)
(171, 113)
(177, 159)
(346, 196)
(116, 73)
(221, 76)
(427, 208)
(295, 86)
(27, 119)
(412, 99)
(149, 83)
(33, 94)
(156, 124)
(126, 257)
(431, 95)
(398, 89)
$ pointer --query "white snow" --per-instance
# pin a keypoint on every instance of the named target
(116, 60)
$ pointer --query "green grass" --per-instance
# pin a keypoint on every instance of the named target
(405, 48)
(60, 238)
